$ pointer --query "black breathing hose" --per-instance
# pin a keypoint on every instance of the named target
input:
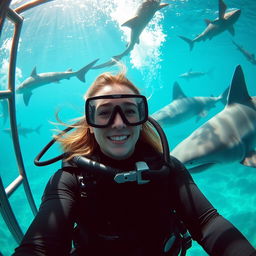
(85, 162)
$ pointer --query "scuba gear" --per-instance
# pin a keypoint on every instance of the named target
(101, 110)
(85, 162)
(178, 242)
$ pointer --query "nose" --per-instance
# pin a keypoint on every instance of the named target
(118, 122)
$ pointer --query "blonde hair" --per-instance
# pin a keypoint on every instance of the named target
(82, 142)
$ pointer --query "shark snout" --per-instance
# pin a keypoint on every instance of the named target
(234, 15)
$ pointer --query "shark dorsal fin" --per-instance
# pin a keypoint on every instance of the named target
(33, 73)
(222, 9)
(131, 22)
(177, 93)
(69, 70)
(238, 92)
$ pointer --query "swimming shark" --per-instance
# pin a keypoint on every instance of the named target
(183, 108)
(193, 74)
(142, 17)
(229, 136)
(249, 56)
(24, 131)
(36, 80)
(224, 22)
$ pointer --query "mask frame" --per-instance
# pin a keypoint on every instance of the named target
(142, 109)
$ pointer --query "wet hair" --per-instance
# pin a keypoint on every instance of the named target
(82, 142)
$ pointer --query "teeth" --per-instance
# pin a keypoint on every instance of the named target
(119, 137)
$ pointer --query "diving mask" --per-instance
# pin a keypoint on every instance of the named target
(101, 110)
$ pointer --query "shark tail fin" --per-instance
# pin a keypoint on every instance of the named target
(108, 63)
(189, 41)
(210, 72)
(81, 72)
(37, 130)
(26, 97)
(124, 53)
(223, 97)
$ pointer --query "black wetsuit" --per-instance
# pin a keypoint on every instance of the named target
(127, 219)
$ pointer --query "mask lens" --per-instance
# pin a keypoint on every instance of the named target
(102, 110)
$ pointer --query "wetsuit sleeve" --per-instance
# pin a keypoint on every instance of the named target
(214, 233)
(51, 230)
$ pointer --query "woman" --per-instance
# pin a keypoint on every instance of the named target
(124, 216)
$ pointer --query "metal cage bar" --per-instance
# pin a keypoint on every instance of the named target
(9, 94)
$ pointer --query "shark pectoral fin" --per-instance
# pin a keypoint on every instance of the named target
(200, 168)
(131, 22)
(207, 22)
(162, 5)
(250, 159)
(26, 97)
(231, 30)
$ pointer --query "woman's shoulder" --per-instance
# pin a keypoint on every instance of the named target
(176, 163)
(66, 177)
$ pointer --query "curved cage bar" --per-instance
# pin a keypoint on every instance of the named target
(9, 94)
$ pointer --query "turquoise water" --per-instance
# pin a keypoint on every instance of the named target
(67, 34)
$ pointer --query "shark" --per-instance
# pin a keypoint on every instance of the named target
(24, 131)
(143, 15)
(183, 108)
(225, 21)
(36, 80)
(193, 74)
(228, 137)
(249, 56)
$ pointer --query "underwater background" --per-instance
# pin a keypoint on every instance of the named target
(64, 34)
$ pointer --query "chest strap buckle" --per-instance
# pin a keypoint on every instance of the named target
(131, 176)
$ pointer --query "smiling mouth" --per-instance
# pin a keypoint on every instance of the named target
(119, 138)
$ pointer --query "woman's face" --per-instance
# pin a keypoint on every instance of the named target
(117, 140)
